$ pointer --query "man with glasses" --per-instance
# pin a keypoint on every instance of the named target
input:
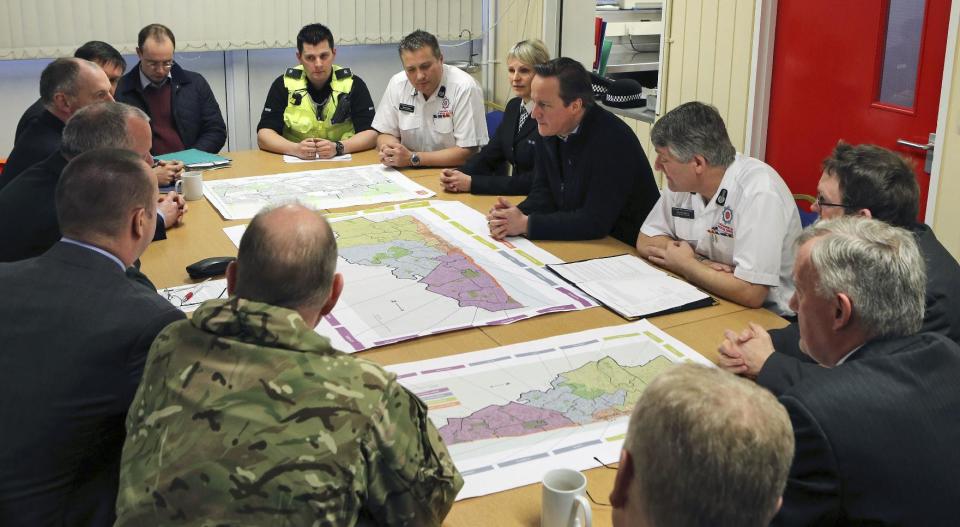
(726, 222)
(869, 181)
(183, 111)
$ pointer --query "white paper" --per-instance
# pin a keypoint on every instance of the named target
(428, 267)
(628, 285)
(242, 198)
(524, 406)
(187, 298)
(294, 159)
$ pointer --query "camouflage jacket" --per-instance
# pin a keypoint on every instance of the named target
(246, 416)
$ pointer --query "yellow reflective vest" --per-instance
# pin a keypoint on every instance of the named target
(300, 120)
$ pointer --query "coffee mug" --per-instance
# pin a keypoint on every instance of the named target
(563, 494)
(190, 185)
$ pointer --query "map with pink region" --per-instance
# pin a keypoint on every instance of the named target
(414, 252)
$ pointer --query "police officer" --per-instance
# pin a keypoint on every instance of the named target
(431, 114)
(317, 110)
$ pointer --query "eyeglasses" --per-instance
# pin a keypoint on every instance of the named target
(820, 203)
(155, 64)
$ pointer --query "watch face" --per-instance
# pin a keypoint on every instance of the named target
(415, 159)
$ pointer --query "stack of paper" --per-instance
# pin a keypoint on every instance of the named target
(631, 287)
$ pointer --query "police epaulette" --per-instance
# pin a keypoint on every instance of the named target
(343, 73)
(294, 73)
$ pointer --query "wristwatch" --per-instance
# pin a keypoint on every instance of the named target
(339, 148)
(415, 159)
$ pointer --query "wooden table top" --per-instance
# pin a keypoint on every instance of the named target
(202, 236)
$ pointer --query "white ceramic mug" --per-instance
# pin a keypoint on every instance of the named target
(190, 185)
(563, 494)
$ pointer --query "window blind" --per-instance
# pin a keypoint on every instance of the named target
(31, 29)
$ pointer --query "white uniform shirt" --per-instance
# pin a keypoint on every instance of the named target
(452, 116)
(751, 223)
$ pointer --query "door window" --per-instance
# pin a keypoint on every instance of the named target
(901, 56)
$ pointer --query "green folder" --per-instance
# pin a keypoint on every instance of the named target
(604, 56)
(193, 158)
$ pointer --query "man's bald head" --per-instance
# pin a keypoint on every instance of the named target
(287, 258)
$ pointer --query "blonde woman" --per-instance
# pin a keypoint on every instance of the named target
(512, 144)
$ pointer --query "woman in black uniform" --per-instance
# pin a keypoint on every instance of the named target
(487, 172)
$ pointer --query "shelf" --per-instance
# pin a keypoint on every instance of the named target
(641, 114)
(622, 61)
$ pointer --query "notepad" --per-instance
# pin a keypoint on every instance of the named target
(193, 159)
(632, 287)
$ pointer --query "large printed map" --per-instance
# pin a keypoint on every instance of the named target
(509, 414)
(242, 198)
(421, 268)
(413, 252)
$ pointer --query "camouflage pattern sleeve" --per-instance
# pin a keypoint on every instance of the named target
(412, 479)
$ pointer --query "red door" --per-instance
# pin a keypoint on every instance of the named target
(864, 71)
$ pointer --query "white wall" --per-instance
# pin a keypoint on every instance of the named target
(20, 79)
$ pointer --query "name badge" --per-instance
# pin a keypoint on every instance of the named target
(406, 108)
(682, 213)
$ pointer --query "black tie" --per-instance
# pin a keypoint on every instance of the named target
(523, 116)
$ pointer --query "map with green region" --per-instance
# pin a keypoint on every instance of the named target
(238, 198)
(600, 390)
(413, 252)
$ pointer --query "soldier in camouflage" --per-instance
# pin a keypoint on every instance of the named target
(246, 416)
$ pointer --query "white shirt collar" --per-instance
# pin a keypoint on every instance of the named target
(847, 356)
(441, 86)
(109, 255)
(145, 81)
(565, 137)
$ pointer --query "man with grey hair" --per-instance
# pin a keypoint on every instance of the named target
(876, 422)
(431, 114)
(319, 437)
(726, 222)
(703, 447)
(66, 86)
(870, 181)
(28, 219)
(75, 334)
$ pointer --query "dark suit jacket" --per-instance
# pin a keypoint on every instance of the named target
(37, 142)
(876, 438)
(30, 115)
(596, 183)
(196, 113)
(75, 335)
(488, 167)
(941, 315)
(28, 212)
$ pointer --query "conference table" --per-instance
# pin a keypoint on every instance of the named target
(201, 235)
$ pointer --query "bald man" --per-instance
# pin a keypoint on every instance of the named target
(66, 86)
(330, 436)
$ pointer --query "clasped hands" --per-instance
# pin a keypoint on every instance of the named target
(315, 148)
(745, 353)
(171, 207)
(455, 181)
(395, 155)
(505, 219)
(167, 172)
